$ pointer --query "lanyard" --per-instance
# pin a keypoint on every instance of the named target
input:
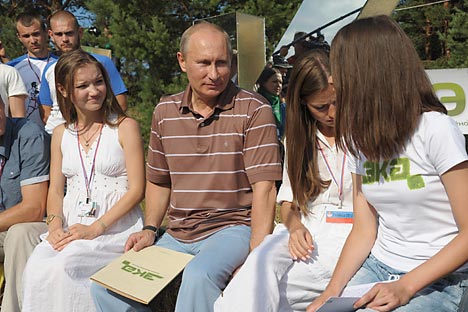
(30, 66)
(2, 164)
(90, 179)
(339, 186)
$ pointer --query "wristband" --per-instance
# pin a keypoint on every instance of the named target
(103, 225)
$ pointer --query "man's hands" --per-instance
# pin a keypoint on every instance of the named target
(300, 242)
(140, 240)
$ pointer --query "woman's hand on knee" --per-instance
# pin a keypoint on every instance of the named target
(319, 301)
(385, 297)
(56, 236)
(300, 243)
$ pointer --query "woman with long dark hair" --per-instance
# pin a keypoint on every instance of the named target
(410, 175)
(293, 265)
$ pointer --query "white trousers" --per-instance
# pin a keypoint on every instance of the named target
(270, 281)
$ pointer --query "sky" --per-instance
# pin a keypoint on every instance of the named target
(313, 14)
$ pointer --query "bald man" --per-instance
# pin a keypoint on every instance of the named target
(213, 160)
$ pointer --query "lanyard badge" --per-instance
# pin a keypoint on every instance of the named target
(88, 207)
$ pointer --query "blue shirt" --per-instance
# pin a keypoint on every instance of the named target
(26, 149)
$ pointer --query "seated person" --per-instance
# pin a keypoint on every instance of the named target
(212, 162)
(410, 176)
(294, 264)
(98, 152)
(24, 178)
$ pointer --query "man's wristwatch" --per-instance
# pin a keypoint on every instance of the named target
(153, 229)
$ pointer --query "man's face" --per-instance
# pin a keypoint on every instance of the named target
(207, 64)
(34, 38)
(65, 34)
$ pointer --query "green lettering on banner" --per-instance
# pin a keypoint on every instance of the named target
(459, 98)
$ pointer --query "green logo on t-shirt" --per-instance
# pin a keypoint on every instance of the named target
(392, 170)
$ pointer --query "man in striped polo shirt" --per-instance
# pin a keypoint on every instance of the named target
(212, 162)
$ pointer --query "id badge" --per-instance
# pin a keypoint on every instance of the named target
(87, 209)
(335, 215)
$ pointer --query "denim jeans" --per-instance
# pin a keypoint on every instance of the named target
(206, 275)
(443, 295)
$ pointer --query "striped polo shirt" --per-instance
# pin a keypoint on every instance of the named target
(212, 162)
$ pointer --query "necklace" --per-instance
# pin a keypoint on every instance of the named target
(86, 140)
(32, 68)
(329, 168)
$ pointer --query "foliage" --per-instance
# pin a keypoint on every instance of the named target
(457, 38)
(11, 8)
(432, 29)
(144, 36)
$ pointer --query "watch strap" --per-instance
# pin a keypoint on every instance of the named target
(151, 228)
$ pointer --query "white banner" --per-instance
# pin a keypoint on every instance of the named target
(451, 86)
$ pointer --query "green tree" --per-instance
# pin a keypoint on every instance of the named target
(144, 36)
(457, 38)
(11, 8)
(429, 26)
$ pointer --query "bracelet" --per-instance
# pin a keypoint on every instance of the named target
(151, 228)
(104, 226)
(51, 217)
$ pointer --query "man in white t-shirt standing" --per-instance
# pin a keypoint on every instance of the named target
(32, 32)
(12, 91)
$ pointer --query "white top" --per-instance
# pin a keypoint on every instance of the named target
(11, 84)
(329, 196)
(55, 117)
(414, 215)
(31, 70)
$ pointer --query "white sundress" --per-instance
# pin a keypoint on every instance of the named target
(59, 281)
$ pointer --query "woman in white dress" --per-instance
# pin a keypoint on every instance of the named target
(293, 265)
(98, 152)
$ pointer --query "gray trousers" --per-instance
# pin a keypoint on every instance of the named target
(16, 245)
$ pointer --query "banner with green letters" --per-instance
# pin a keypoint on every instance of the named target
(451, 86)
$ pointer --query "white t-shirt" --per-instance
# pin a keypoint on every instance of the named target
(415, 219)
(11, 84)
(31, 70)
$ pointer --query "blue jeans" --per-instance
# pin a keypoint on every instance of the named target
(444, 295)
(216, 257)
